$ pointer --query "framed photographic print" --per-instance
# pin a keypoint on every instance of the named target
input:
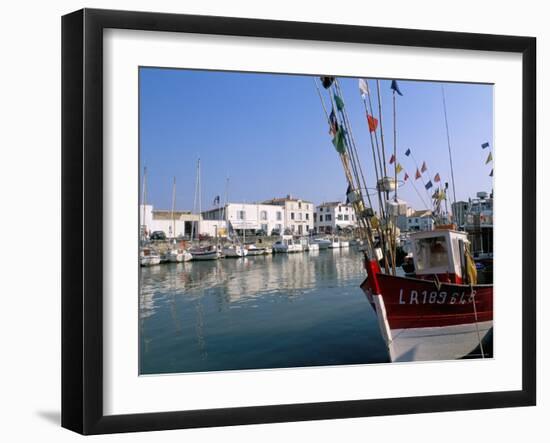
(269, 221)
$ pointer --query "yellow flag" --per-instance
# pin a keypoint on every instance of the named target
(490, 158)
(398, 168)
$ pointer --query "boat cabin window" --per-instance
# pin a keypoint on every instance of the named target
(431, 253)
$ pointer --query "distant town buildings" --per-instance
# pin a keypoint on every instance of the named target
(459, 210)
(297, 213)
(420, 221)
(176, 224)
(331, 217)
(247, 218)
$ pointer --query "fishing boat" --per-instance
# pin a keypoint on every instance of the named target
(287, 244)
(440, 311)
(148, 257)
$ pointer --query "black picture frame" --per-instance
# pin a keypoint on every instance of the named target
(82, 218)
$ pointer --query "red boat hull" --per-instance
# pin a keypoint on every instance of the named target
(426, 319)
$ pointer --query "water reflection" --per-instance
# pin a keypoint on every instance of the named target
(246, 278)
(276, 310)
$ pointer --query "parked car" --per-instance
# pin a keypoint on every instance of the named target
(260, 233)
(158, 235)
(275, 232)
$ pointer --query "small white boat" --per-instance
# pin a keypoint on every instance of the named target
(148, 257)
(178, 255)
(337, 243)
(254, 250)
(287, 244)
(311, 247)
(234, 251)
(323, 243)
(308, 245)
(208, 253)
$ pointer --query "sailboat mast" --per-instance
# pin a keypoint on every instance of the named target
(173, 205)
(449, 146)
(143, 202)
(199, 194)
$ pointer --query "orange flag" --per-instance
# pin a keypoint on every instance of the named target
(373, 123)
(417, 175)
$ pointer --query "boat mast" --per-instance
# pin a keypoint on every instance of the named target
(173, 204)
(143, 203)
(449, 146)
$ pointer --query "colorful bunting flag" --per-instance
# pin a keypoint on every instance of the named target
(398, 168)
(339, 141)
(392, 159)
(327, 82)
(363, 88)
(424, 168)
(333, 121)
(373, 123)
(428, 185)
(489, 158)
(339, 102)
(417, 175)
(406, 177)
(408, 152)
(395, 87)
(485, 145)
(437, 178)
(491, 174)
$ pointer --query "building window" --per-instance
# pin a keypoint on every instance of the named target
(320, 209)
(292, 215)
(279, 215)
(307, 228)
(346, 217)
(263, 215)
(339, 208)
(340, 217)
(307, 215)
(241, 215)
(264, 227)
(300, 216)
(320, 218)
(328, 217)
(299, 205)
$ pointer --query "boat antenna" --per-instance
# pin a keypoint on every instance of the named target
(449, 146)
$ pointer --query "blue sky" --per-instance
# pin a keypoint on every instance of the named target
(269, 135)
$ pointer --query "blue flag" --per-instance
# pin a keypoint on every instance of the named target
(408, 152)
(395, 87)
(485, 145)
(429, 185)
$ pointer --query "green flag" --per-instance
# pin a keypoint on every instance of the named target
(339, 102)
(339, 141)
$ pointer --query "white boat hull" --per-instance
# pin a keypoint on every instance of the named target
(149, 260)
(438, 343)
(313, 247)
(234, 252)
(213, 255)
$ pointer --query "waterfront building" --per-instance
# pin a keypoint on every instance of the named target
(174, 225)
(459, 210)
(247, 218)
(297, 213)
(402, 221)
(330, 217)
(421, 220)
(478, 223)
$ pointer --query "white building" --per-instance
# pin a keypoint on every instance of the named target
(249, 217)
(297, 213)
(420, 221)
(332, 216)
(176, 224)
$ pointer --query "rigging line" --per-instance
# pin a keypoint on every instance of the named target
(380, 199)
(421, 178)
(356, 153)
(449, 146)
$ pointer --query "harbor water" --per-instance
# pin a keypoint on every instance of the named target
(271, 311)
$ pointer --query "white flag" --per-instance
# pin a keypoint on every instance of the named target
(363, 87)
